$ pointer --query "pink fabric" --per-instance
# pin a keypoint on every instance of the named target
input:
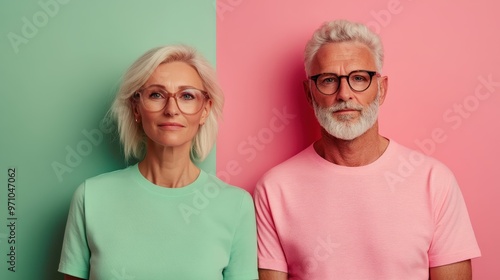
(391, 219)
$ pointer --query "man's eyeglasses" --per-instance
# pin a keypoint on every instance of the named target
(188, 100)
(329, 83)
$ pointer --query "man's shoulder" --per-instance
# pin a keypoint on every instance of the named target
(297, 164)
(418, 159)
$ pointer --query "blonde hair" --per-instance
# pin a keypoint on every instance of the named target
(131, 135)
(343, 31)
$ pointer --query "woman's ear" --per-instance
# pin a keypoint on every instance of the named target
(205, 112)
(135, 110)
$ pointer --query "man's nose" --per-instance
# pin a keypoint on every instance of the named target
(344, 92)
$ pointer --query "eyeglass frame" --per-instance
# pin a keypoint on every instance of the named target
(138, 93)
(314, 78)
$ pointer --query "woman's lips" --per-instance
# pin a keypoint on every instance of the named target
(171, 125)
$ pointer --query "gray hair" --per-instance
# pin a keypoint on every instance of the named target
(131, 135)
(343, 31)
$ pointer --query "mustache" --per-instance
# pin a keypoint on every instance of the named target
(345, 105)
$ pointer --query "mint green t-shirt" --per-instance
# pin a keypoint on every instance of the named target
(123, 227)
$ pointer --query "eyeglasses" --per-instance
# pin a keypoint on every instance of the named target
(329, 83)
(188, 100)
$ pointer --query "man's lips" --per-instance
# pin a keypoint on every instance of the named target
(346, 111)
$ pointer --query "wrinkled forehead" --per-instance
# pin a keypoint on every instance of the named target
(348, 56)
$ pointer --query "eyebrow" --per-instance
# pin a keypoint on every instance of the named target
(181, 87)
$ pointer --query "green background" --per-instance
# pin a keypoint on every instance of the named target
(56, 85)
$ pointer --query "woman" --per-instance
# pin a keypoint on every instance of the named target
(162, 218)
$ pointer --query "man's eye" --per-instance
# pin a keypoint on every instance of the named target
(328, 80)
(359, 78)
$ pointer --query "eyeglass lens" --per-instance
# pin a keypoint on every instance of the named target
(189, 100)
(329, 83)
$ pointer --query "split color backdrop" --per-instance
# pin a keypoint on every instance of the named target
(61, 62)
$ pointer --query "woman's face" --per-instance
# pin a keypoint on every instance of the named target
(170, 127)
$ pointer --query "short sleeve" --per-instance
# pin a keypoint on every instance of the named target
(454, 238)
(270, 251)
(243, 259)
(75, 255)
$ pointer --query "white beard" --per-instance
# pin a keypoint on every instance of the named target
(345, 127)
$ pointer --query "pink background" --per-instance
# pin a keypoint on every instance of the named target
(437, 54)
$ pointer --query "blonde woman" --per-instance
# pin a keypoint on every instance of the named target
(162, 218)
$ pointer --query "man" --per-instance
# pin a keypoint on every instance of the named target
(354, 204)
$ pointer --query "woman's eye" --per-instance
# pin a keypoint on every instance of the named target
(155, 95)
(187, 95)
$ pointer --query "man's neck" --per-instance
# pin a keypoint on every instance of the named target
(360, 151)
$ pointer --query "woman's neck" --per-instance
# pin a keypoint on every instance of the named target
(169, 167)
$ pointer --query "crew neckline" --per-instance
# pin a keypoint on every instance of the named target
(151, 187)
(375, 165)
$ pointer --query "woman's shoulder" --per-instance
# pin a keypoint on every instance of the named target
(112, 177)
(215, 185)
(214, 180)
(227, 196)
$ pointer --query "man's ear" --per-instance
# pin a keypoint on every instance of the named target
(384, 85)
(307, 91)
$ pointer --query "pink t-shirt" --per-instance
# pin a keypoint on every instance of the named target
(391, 219)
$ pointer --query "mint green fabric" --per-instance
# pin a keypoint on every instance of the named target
(121, 226)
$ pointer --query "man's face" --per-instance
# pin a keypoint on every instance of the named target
(346, 114)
